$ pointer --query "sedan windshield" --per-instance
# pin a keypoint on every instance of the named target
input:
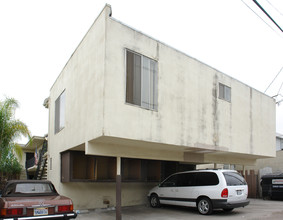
(31, 188)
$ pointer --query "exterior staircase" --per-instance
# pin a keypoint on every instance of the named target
(41, 171)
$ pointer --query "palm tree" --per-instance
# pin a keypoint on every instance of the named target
(10, 128)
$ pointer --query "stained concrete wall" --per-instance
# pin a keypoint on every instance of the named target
(190, 116)
(275, 164)
(82, 79)
(102, 195)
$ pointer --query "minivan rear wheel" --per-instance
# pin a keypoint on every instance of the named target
(204, 206)
(154, 201)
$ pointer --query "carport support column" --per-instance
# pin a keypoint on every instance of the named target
(118, 189)
(215, 165)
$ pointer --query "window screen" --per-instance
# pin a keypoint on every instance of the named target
(141, 85)
(224, 92)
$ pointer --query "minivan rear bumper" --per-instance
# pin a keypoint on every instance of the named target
(223, 204)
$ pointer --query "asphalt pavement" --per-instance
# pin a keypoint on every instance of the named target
(257, 209)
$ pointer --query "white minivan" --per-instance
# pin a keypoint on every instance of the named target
(204, 189)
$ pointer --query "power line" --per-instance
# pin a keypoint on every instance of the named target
(278, 102)
(274, 80)
(279, 89)
(261, 8)
(274, 7)
(261, 18)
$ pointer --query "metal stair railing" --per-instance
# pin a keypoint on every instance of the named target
(41, 162)
(43, 168)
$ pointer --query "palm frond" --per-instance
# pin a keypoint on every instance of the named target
(10, 128)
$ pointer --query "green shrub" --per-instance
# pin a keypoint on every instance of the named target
(9, 164)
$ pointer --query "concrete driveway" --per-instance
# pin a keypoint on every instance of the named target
(257, 209)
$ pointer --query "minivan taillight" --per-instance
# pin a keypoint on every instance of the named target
(224, 193)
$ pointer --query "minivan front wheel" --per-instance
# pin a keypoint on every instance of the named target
(204, 206)
(154, 201)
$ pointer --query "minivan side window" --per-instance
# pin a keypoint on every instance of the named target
(186, 179)
(170, 181)
(207, 179)
(234, 179)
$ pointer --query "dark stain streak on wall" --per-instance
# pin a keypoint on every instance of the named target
(215, 137)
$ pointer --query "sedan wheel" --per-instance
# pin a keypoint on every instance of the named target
(154, 201)
(204, 206)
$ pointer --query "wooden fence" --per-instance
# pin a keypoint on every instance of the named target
(253, 184)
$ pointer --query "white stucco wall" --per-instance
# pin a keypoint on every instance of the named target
(82, 79)
(190, 114)
(92, 195)
(190, 117)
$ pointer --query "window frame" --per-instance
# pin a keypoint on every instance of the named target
(90, 172)
(151, 106)
(226, 96)
(59, 121)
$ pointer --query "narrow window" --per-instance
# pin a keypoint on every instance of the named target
(141, 85)
(224, 92)
(60, 112)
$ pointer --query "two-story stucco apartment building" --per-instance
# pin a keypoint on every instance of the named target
(131, 108)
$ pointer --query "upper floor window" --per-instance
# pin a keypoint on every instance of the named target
(60, 112)
(224, 92)
(141, 87)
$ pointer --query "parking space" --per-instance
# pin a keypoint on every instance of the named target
(258, 209)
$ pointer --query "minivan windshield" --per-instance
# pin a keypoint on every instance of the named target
(234, 179)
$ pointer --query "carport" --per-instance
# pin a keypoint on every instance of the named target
(257, 209)
(152, 162)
